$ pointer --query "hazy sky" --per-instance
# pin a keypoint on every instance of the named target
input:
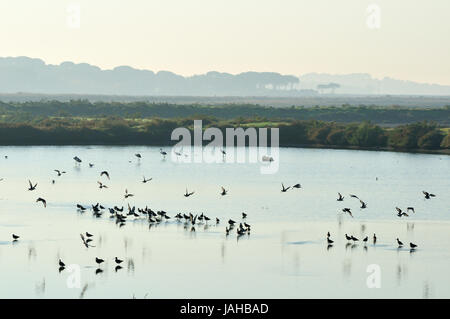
(195, 36)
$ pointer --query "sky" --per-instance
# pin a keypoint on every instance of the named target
(407, 40)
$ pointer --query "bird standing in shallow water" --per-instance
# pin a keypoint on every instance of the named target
(15, 237)
(117, 260)
(412, 245)
(374, 239)
(61, 264)
(98, 260)
(400, 244)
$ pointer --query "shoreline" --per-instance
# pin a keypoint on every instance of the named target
(306, 146)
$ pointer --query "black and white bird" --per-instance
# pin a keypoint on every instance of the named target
(15, 237)
(347, 210)
(399, 242)
(77, 159)
(163, 153)
(340, 198)
(297, 186)
(117, 260)
(412, 245)
(363, 204)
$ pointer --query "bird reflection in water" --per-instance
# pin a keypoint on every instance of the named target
(130, 266)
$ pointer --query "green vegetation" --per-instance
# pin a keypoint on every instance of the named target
(113, 130)
(385, 116)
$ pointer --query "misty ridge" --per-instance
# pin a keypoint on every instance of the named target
(23, 74)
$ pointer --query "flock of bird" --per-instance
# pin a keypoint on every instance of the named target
(190, 220)
(351, 238)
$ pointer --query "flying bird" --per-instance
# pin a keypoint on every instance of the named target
(104, 173)
(187, 194)
(77, 159)
(428, 195)
(341, 198)
(297, 186)
(284, 189)
(40, 199)
(101, 185)
(146, 180)
(59, 172)
(128, 194)
(224, 191)
(32, 187)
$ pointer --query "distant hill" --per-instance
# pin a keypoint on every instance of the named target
(23, 74)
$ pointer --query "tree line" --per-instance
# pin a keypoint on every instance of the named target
(114, 130)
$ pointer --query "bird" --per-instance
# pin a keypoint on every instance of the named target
(163, 153)
(101, 185)
(187, 194)
(32, 187)
(146, 180)
(231, 222)
(224, 191)
(98, 260)
(412, 245)
(117, 260)
(59, 172)
(104, 173)
(15, 237)
(217, 220)
(428, 195)
(244, 215)
(91, 165)
(138, 155)
(354, 196)
(354, 238)
(347, 210)
(40, 199)
(363, 205)
(410, 209)
(284, 189)
(77, 159)
(128, 194)
(374, 238)
(399, 243)
(366, 239)
(86, 241)
(329, 241)
(348, 237)
(328, 235)
(297, 186)
(81, 207)
(88, 235)
(341, 198)
(61, 264)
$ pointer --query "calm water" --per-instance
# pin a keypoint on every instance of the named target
(286, 254)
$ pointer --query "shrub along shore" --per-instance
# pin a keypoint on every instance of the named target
(424, 136)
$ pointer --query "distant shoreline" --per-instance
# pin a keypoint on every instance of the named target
(305, 146)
